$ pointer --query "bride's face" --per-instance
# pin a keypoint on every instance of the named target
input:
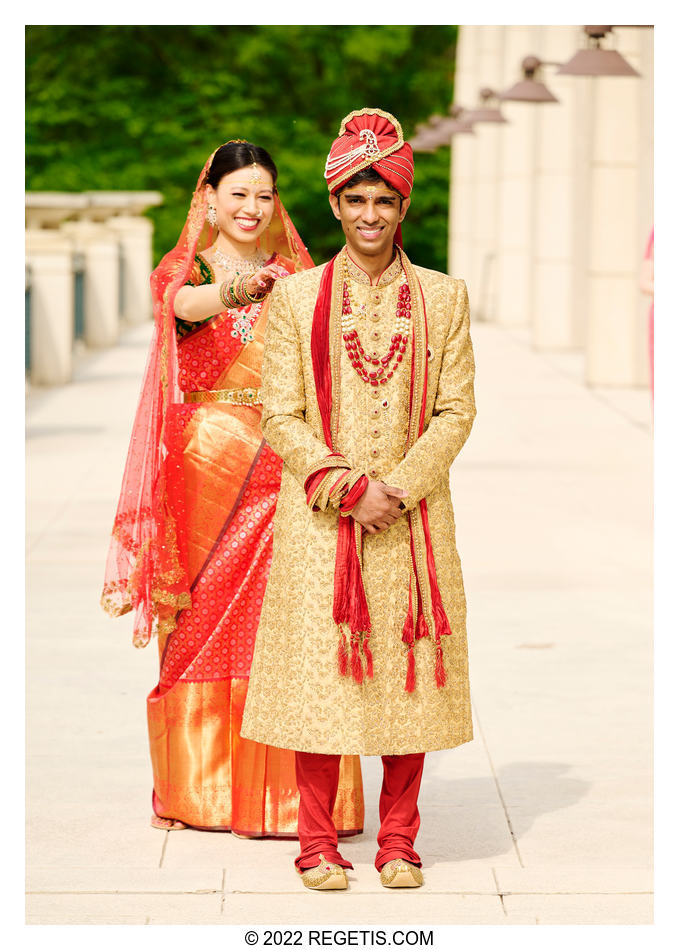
(244, 207)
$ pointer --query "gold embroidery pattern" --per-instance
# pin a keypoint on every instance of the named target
(295, 660)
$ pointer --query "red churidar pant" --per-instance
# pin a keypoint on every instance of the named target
(317, 778)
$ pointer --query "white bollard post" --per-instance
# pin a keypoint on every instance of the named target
(99, 246)
(49, 255)
(135, 235)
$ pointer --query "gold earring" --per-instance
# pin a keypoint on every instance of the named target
(212, 215)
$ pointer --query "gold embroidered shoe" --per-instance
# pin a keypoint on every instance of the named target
(325, 877)
(400, 873)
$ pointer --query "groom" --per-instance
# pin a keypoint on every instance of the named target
(367, 397)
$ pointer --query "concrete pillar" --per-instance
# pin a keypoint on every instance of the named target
(489, 72)
(616, 319)
(100, 248)
(463, 162)
(561, 235)
(516, 191)
(135, 236)
(49, 255)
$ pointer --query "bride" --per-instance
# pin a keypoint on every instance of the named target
(192, 537)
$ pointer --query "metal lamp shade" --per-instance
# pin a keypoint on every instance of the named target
(597, 62)
(460, 127)
(422, 143)
(442, 133)
(528, 90)
(485, 115)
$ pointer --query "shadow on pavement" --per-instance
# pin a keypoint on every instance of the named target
(472, 826)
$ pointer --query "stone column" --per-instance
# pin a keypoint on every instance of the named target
(463, 163)
(122, 212)
(489, 72)
(616, 349)
(561, 237)
(135, 236)
(516, 188)
(49, 255)
(100, 248)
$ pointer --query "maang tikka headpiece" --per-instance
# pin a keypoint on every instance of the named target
(256, 177)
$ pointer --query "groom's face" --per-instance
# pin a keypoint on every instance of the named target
(370, 213)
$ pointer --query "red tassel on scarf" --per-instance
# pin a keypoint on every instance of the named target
(410, 675)
(349, 603)
(440, 673)
(342, 655)
(441, 620)
(408, 635)
(368, 657)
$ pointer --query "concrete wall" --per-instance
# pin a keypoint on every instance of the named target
(550, 213)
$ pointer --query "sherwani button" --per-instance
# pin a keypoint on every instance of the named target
(374, 453)
(375, 433)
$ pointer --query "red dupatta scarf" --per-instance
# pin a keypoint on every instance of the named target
(146, 570)
(425, 608)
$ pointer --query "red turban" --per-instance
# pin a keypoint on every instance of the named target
(371, 137)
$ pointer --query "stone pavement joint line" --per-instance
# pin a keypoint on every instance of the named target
(545, 818)
(499, 792)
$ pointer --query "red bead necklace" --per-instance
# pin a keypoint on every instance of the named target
(376, 370)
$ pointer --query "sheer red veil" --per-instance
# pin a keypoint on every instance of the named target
(146, 567)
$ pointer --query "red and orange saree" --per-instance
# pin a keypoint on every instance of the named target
(191, 552)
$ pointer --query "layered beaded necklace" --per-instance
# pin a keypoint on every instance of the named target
(375, 370)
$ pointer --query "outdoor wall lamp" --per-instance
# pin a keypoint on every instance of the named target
(457, 122)
(594, 61)
(442, 128)
(486, 112)
(439, 130)
(422, 139)
(530, 89)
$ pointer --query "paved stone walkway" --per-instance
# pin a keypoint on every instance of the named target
(545, 818)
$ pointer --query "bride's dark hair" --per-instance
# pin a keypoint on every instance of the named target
(234, 155)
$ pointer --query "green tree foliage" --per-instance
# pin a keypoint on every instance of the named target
(142, 107)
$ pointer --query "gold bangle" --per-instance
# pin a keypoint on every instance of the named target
(222, 295)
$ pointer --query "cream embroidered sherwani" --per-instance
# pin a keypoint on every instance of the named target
(296, 697)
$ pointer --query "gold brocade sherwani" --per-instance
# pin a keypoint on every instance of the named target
(297, 698)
